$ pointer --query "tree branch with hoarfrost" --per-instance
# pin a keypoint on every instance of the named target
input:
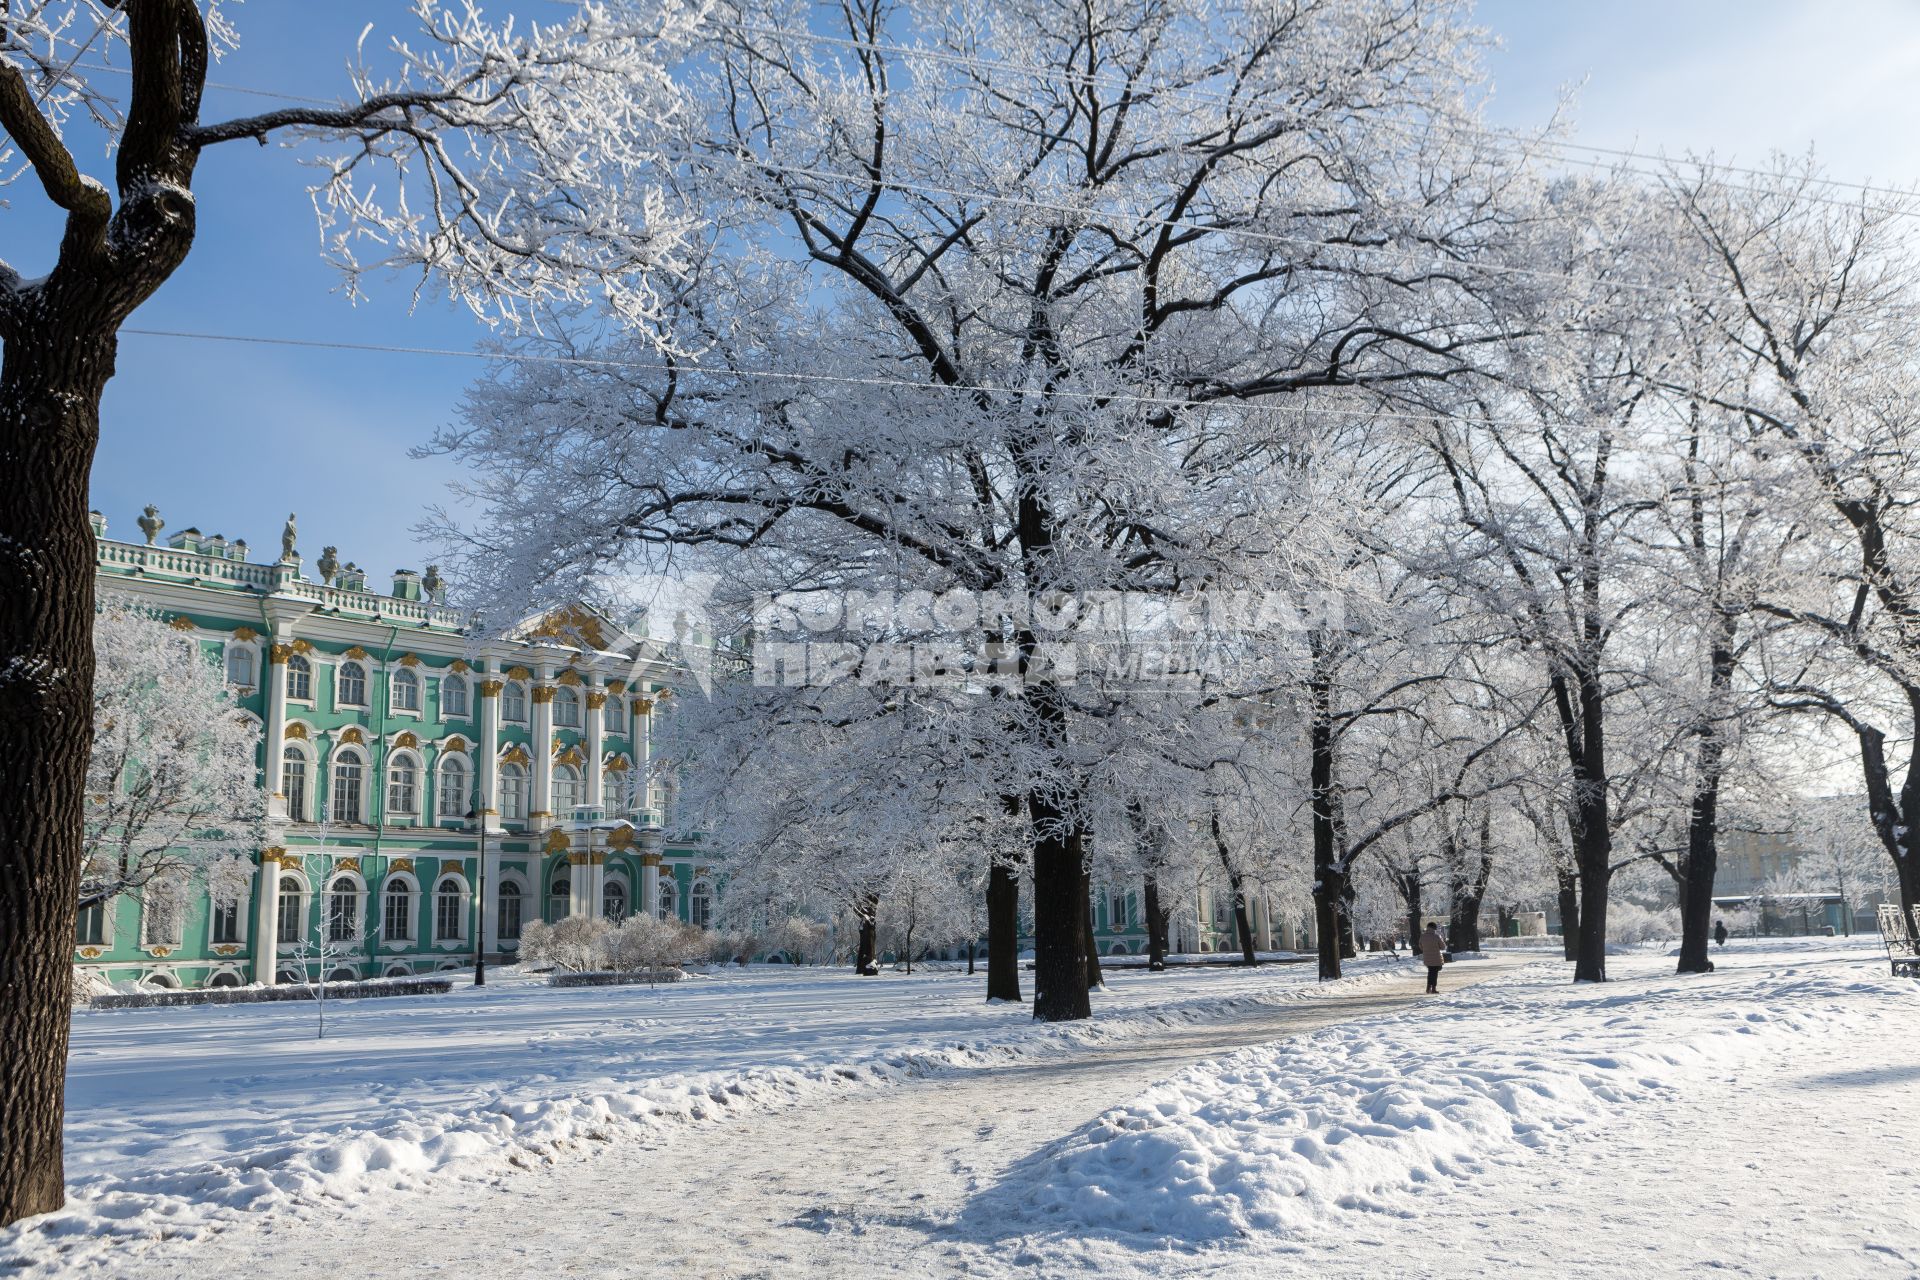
(515, 162)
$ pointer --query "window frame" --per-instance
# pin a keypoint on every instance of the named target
(403, 794)
(510, 891)
(299, 665)
(449, 683)
(359, 670)
(408, 679)
(344, 756)
(441, 899)
(402, 887)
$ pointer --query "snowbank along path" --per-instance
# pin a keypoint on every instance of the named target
(856, 1182)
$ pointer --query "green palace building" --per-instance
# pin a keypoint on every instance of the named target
(431, 791)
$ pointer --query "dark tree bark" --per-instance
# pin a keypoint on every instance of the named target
(1095, 978)
(1467, 888)
(866, 960)
(59, 334)
(1156, 925)
(1569, 912)
(1059, 917)
(1407, 884)
(1330, 887)
(1242, 923)
(1003, 932)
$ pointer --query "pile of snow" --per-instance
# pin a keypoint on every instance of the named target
(515, 1075)
(1363, 1116)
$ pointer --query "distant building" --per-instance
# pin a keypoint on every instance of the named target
(397, 746)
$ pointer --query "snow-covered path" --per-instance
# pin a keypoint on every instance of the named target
(857, 1185)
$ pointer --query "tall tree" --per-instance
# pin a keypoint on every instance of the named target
(488, 130)
(1812, 304)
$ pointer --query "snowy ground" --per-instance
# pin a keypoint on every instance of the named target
(1760, 1120)
(189, 1118)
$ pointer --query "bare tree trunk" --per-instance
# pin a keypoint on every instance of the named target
(1156, 925)
(1003, 932)
(866, 960)
(1569, 912)
(1095, 978)
(1467, 888)
(1407, 883)
(1059, 917)
(1243, 926)
(1329, 877)
(50, 387)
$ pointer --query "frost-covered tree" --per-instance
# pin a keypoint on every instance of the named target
(1015, 298)
(510, 157)
(1812, 305)
(173, 784)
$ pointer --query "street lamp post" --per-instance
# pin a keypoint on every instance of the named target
(475, 816)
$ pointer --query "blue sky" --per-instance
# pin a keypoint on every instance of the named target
(230, 438)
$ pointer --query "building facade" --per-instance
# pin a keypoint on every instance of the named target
(430, 791)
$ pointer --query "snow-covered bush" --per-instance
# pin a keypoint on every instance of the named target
(574, 943)
(803, 941)
(646, 942)
(1629, 924)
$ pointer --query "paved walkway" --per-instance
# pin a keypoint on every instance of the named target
(859, 1186)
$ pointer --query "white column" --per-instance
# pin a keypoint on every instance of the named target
(486, 751)
(640, 726)
(541, 816)
(276, 747)
(577, 887)
(596, 884)
(490, 900)
(266, 918)
(595, 698)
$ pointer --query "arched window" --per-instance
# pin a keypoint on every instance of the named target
(669, 897)
(510, 904)
(513, 793)
(350, 689)
(293, 782)
(240, 665)
(613, 901)
(566, 708)
(406, 690)
(344, 973)
(293, 924)
(223, 925)
(1117, 915)
(396, 916)
(566, 789)
(343, 910)
(91, 928)
(453, 789)
(700, 905)
(449, 911)
(453, 696)
(513, 702)
(403, 786)
(615, 715)
(299, 679)
(349, 785)
(560, 896)
(225, 978)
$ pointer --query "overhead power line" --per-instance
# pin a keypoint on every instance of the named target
(809, 377)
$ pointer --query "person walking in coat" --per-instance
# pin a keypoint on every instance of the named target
(1433, 950)
(1720, 932)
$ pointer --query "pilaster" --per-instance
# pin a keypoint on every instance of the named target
(266, 918)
